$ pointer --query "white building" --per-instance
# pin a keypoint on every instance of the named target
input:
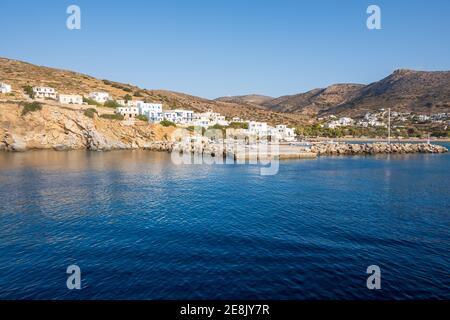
(129, 103)
(5, 88)
(201, 120)
(44, 93)
(342, 122)
(100, 97)
(208, 119)
(128, 112)
(70, 99)
(257, 128)
(184, 116)
(346, 121)
(332, 124)
(151, 110)
(236, 119)
(282, 132)
(179, 116)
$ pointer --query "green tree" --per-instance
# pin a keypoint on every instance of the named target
(29, 91)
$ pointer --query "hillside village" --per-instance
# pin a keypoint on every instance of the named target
(381, 118)
(418, 103)
(129, 110)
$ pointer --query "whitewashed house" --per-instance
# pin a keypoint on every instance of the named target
(209, 118)
(342, 122)
(128, 112)
(283, 133)
(100, 97)
(129, 103)
(201, 120)
(5, 88)
(70, 99)
(152, 111)
(257, 128)
(169, 116)
(184, 117)
(236, 119)
(45, 93)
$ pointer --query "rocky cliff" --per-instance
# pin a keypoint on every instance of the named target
(62, 128)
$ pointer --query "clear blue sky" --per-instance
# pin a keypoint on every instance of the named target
(213, 48)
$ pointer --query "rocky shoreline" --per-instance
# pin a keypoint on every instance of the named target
(376, 148)
(319, 149)
(60, 129)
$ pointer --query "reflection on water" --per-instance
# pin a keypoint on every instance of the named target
(141, 227)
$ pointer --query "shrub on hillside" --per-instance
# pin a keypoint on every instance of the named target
(90, 102)
(142, 117)
(112, 116)
(31, 107)
(112, 104)
(167, 123)
(90, 112)
(238, 125)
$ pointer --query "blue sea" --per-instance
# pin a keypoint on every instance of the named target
(141, 227)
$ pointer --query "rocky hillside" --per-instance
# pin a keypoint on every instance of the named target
(251, 99)
(315, 101)
(61, 128)
(404, 90)
(20, 74)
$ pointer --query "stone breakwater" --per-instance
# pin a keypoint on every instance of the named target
(296, 152)
(376, 148)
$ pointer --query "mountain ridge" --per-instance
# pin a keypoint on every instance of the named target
(403, 90)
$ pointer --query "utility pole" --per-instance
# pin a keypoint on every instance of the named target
(389, 125)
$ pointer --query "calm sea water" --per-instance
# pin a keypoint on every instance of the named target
(140, 227)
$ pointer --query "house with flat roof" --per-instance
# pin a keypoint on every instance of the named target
(128, 112)
(70, 99)
(100, 97)
(152, 111)
(45, 93)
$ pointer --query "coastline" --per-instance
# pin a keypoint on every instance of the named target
(396, 140)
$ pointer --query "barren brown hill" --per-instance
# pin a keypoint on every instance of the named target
(251, 99)
(315, 101)
(19, 74)
(405, 90)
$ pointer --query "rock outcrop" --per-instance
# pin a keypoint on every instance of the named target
(59, 128)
